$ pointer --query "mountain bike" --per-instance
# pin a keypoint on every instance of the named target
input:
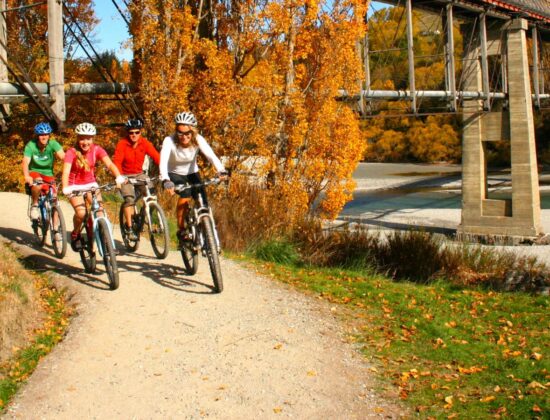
(50, 218)
(201, 235)
(147, 212)
(98, 228)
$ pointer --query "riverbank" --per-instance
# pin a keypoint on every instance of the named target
(393, 196)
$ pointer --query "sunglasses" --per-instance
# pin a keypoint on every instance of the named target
(184, 133)
(134, 132)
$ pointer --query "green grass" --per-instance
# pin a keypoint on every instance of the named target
(449, 351)
(278, 251)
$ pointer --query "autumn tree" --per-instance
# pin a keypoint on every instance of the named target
(28, 46)
(262, 77)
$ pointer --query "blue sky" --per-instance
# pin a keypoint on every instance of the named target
(111, 31)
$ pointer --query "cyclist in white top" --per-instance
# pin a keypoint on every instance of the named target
(178, 163)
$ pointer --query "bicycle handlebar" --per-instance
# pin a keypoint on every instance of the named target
(42, 182)
(93, 190)
(142, 181)
(211, 181)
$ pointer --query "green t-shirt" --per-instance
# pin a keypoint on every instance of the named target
(42, 161)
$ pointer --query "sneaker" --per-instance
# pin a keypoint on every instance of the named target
(183, 237)
(76, 241)
(130, 234)
(57, 237)
(35, 213)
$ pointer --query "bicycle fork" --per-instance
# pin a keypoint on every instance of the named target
(98, 238)
(208, 215)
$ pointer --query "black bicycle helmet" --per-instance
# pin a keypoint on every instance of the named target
(134, 124)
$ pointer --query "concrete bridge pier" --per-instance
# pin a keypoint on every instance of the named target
(520, 215)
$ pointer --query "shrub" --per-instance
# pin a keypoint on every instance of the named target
(249, 214)
(278, 251)
(412, 255)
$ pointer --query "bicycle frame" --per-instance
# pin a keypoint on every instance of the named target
(91, 218)
(45, 199)
(199, 211)
(147, 198)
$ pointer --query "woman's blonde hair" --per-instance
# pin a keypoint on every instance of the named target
(80, 159)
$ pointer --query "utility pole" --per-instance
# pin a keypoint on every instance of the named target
(4, 108)
(56, 59)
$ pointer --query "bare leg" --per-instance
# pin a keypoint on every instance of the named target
(181, 212)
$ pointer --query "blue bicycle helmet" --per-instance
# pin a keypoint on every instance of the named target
(42, 128)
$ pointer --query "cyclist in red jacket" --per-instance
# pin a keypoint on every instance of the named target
(129, 156)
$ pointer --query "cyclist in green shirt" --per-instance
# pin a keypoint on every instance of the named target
(38, 159)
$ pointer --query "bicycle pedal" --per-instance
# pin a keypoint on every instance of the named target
(76, 245)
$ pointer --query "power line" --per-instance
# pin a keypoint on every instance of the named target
(121, 14)
(134, 111)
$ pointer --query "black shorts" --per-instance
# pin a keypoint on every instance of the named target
(189, 180)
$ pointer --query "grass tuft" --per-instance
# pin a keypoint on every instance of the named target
(277, 251)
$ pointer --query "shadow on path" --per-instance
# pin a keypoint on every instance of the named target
(167, 275)
(44, 260)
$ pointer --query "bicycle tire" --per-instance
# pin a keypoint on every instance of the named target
(190, 258)
(131, 246)
(211, 250)
(158, 231)
(109, 256)
(59, 247)
(87, 254)
(40, 229)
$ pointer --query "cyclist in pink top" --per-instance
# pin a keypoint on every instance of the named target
(78, 174)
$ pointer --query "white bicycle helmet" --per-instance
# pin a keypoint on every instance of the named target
(186, 118)
(85, 129)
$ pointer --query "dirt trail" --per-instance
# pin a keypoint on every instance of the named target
(164, 346)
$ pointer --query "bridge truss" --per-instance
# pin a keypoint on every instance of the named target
(501, 80)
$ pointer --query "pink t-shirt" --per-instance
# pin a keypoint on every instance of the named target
(79, 175)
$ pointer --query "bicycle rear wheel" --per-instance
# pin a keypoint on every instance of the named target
(158, 231)
(131, 245)
(109, 256)
(87, 253)
(40, 228)
(211, 249)
(190, 258)
(57, 225)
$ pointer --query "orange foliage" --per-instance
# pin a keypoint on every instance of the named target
(433, 140)
(262, 78)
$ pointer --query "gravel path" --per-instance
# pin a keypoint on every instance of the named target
(163, 346)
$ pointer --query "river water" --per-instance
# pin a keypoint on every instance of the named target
(393, 187)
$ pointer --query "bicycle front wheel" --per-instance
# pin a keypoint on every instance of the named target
(58, 232)
(131, 245)
(211, 249)
(158, 231)
(109, 256)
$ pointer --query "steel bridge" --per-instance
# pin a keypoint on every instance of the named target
(493, 32)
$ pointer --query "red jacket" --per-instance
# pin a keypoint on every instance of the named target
(129, 159)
